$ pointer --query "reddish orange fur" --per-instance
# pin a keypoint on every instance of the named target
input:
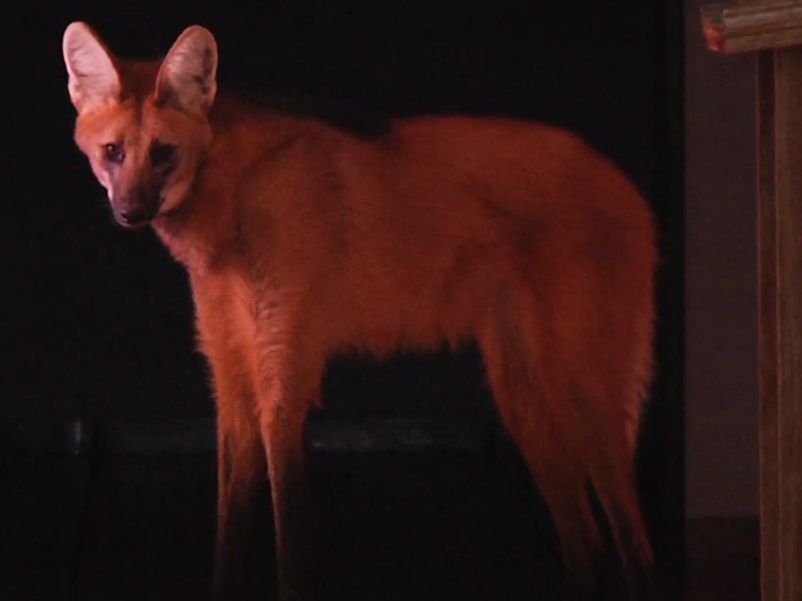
(302, 241)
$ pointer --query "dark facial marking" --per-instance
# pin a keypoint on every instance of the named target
(161, 154)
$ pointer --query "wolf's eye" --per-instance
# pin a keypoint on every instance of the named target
(161, 154)
(114, 153)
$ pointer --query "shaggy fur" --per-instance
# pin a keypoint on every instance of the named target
(302, 241)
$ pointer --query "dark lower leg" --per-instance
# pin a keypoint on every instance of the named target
(244, 527)
(296, 547)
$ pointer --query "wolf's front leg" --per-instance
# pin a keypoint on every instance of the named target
(242, 508)
(292, 389)
(242, 512)
(241, 479)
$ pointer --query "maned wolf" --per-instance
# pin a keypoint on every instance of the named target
(302, 241)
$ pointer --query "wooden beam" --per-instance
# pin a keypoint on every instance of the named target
(773, 29)
(780, 308)
(768, 354)
(752, 26)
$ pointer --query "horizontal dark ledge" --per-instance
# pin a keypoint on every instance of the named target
(78, 437)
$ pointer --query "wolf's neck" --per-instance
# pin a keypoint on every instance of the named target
(203, 231)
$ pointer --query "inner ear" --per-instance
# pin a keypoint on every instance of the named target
(187, 77)
(93, 76)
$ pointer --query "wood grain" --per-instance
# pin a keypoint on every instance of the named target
(788, 194)
(751, 26)
(768, 311)
(780, 302)
(773, 28)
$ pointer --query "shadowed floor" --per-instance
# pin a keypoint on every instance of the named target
(395, 527)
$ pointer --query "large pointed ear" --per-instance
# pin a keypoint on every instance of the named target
(93, 78)
(188, 75)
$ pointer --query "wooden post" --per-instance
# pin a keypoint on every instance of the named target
(773, 30)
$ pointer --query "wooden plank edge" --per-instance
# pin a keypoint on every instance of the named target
(751, 27)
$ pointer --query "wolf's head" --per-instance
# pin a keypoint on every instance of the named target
(143, 126)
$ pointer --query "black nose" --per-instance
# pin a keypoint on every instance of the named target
(133, 216)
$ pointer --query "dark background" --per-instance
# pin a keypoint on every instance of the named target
(97, 322)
